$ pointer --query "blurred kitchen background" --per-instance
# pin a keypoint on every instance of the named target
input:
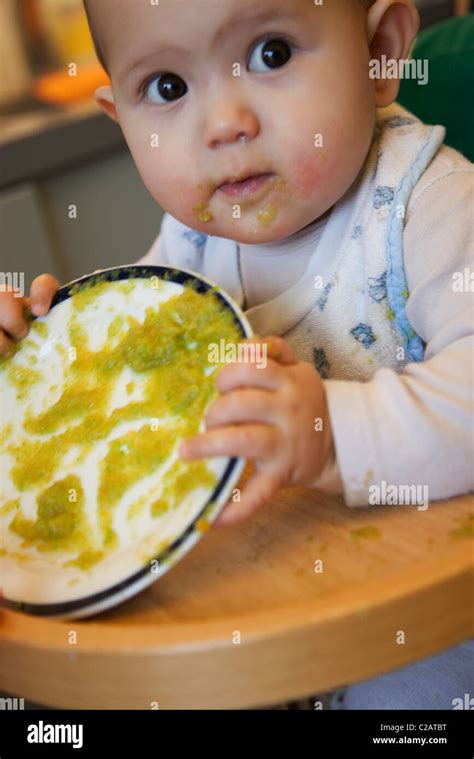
(58, 149)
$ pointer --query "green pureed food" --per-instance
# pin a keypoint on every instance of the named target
(168, 356)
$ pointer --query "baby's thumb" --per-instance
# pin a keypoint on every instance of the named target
(42, 291)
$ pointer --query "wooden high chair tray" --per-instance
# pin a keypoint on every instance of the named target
(388, 573)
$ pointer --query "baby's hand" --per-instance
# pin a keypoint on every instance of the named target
(277, 416)
(14, 323)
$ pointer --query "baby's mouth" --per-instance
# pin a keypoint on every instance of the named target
(246, 186)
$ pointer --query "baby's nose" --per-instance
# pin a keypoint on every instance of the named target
(228, 124)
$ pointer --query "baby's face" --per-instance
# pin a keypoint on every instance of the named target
(214, 91)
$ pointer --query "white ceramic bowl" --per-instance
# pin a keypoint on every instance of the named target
(37, 581)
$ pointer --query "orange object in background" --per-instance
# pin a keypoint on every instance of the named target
(66, 70)
(61, 88)
(65, 31)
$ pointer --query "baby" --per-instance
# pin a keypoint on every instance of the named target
(336, 219)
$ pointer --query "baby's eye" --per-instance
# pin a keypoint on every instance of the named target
(270, 54)
(165, 88)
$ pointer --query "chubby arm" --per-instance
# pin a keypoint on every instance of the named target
(417, 427)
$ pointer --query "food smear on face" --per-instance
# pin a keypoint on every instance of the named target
(167, 354)
(202, 212)
(267, 215)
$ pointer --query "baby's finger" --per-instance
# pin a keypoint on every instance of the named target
(12, 318)
(42, 291)
(243, 405)
(280, 350)
(258, 366)
(266, 376)
(6, 344)
(255, 441)
(270, 347)
(258, 490)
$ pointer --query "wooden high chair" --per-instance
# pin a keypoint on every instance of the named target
(305, 596)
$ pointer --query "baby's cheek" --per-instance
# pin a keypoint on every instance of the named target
(310, 173)
(166, 186)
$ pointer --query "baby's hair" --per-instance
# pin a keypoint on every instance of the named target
(95, 38)
(100, 52)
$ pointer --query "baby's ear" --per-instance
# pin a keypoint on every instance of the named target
(105, 98)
